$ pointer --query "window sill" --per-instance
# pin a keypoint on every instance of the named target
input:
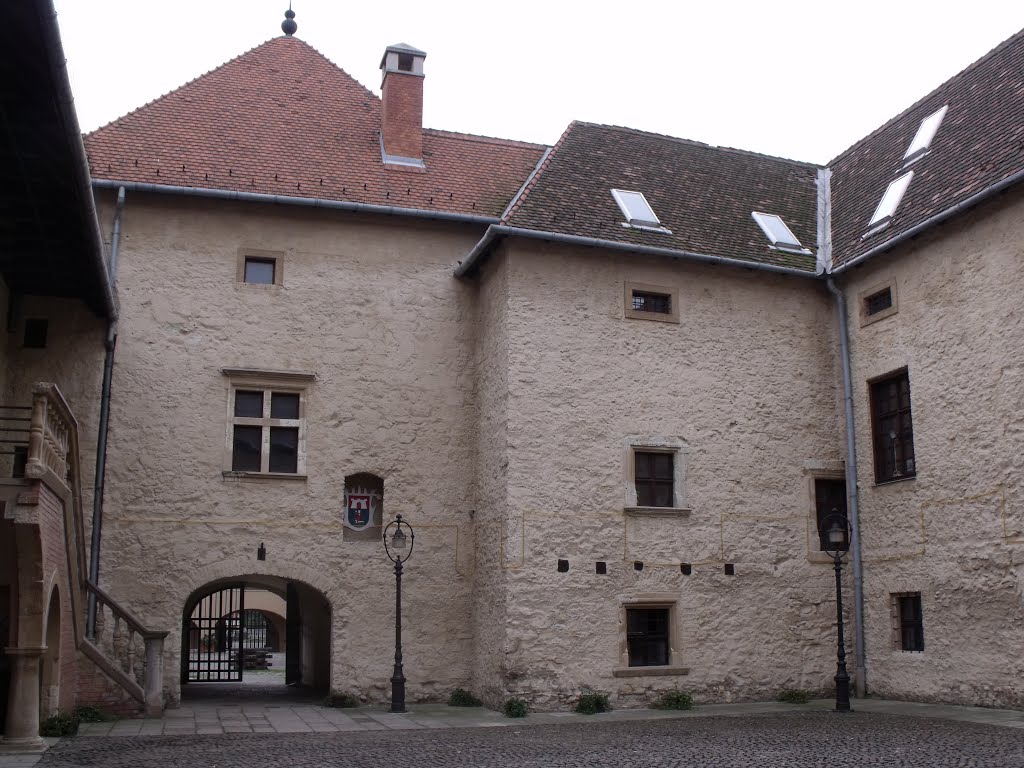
(231, 475)
(649, 671)
(657, 511)
(895, 481)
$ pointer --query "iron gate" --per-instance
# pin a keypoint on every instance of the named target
(215, 637)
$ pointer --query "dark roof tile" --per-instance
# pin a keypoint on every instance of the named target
(703, 194)
(980, 143)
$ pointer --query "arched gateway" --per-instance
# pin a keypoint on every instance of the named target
(232, 625)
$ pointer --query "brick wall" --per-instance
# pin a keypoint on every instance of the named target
(402, 115)
(52, 538)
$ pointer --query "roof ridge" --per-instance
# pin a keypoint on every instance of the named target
(485, 139)
(944, 84)
(701, 144)
(545, 163)
(801, 163)
(219, 67)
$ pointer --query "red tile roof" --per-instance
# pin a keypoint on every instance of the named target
(282, 119)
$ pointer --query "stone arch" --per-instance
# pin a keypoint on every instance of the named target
(49, 675)
(314, 612)
(241, 568)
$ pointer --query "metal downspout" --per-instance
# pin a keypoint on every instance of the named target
(101, 437)
(860, 682)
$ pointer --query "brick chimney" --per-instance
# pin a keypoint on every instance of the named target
(401, 130)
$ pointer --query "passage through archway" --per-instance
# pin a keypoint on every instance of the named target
(262, 632)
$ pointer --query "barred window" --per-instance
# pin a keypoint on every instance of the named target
(892, 428)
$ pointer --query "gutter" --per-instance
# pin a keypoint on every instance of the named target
(73, 135)
(495, 231)
(938, 218)
(860, 682)
(101, 433)
(300, 202)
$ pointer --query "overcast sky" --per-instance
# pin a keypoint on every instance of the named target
(796, 79)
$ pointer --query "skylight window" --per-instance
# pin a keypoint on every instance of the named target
(923, 140)
(890, 201)
(775, 229)
(636, 209)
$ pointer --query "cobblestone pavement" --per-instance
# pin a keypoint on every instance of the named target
(779, 740)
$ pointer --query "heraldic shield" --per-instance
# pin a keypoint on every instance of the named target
(361, 507)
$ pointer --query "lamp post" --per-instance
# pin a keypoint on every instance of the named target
(398, 552)
(837, 533)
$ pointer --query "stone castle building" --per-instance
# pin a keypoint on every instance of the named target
(615, 385)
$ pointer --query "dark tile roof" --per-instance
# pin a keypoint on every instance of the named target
(980, 143)
(703, 194)
(282, 119)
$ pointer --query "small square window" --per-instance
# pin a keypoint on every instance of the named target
(36, 330)
(260, 267)
(877, 302)
(405, 62)
(892, 428)
(651, 302)
(648, 636)
(259, 271)
(908, 624)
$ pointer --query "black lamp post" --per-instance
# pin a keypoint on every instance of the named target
(837, 544)
(398, 552)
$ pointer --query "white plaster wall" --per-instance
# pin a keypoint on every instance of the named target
(491, 512)
(955, 533)
(371, 307)
(746, 380)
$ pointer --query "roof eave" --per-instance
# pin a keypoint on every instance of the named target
(483, 248)
(933, 221)
(287, 200)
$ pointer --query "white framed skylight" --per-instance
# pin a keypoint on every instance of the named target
(925, 133)
(777, 232)
(890, 201)
(636, 209)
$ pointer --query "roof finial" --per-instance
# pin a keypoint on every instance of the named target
(288, 26)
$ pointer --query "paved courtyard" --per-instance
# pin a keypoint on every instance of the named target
(228, 729)
(805, 738)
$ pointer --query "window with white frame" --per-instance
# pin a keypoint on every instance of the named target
(637, 211)
(266, 422)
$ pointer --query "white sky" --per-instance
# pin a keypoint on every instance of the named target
(795, 78)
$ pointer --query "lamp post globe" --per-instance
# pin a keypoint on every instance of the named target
(398, 550)
(836, 530)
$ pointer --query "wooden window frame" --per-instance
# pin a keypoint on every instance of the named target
(672, 294)
(267, 382)
(882, 441)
